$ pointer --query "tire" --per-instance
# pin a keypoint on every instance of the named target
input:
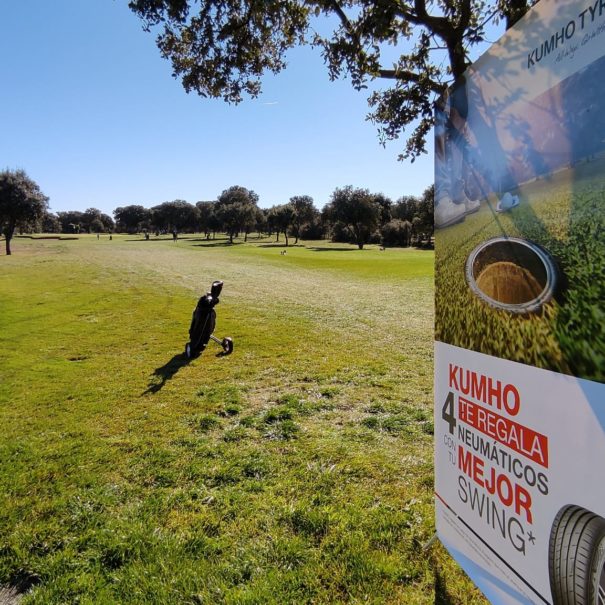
(576, 557)
(227, 344)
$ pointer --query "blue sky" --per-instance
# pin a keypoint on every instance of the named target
(92, 113)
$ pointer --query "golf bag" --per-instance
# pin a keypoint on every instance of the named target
(203, 323)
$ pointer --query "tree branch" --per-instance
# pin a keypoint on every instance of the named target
(409, 76)
(343, 18)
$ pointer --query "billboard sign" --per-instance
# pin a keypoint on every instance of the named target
(520, 311)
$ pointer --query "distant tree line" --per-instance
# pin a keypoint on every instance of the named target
(351, 215)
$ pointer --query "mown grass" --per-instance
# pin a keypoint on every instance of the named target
(297, 470)
(564, 215)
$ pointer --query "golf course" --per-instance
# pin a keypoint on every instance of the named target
(298, 469)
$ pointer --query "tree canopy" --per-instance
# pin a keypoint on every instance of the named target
(22, 203)
(132, 218)
(236, 209)
(283, 218)
(177, 214)
(222, 48)
(358, 210)
(304, 212)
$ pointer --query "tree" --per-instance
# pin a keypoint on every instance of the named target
(236, 208)
(284, 219)
(107, 222)
(405, 208)
(21, 203)
(132, 218)
(304, 211)
(385, 207)
(49, 223)
(222, 48)
(425, 225)
(271, 221)
(260, 222)
(71, 221)
(95, 221)
(179, 215)
(315, 229)
(358, 210)
(418, 211)
(205, 217)
(396, 233)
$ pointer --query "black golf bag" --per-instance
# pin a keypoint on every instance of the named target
(203, 323)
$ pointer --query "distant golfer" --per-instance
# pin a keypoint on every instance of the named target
(174, 235)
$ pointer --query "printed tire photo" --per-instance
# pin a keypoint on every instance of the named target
(576, 557)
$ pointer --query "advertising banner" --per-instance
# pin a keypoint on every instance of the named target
(520, 311)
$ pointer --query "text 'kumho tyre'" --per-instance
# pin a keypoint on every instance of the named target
(576, 557)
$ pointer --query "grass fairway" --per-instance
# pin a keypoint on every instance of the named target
(297, 470)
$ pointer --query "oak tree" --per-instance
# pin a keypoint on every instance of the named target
(356, 209)
(304, 212)
(132, 218)
(22, 203)
(236, 209)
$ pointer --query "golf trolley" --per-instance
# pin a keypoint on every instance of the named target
(203, 323)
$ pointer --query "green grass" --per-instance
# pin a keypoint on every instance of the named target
(564, 215)
(297, 470)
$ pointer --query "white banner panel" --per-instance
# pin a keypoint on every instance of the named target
(520, 311)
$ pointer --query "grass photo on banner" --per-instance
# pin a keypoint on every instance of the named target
(549, 154)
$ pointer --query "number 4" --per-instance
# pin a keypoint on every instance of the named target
(448, 412)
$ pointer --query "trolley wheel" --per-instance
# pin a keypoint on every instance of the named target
(227, 344)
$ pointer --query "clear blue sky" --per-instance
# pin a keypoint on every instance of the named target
(92, 113)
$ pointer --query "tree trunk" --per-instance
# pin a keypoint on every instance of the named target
(8, 236)
(286, 236)
(457, 57)
(358, 231)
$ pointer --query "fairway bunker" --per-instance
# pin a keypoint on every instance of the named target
(511, 274)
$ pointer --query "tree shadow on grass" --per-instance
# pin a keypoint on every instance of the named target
(166, 372)
(217, 244)
(151, 239)
(326, 249)
(280, 245)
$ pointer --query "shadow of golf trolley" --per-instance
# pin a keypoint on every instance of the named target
(203, 323)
